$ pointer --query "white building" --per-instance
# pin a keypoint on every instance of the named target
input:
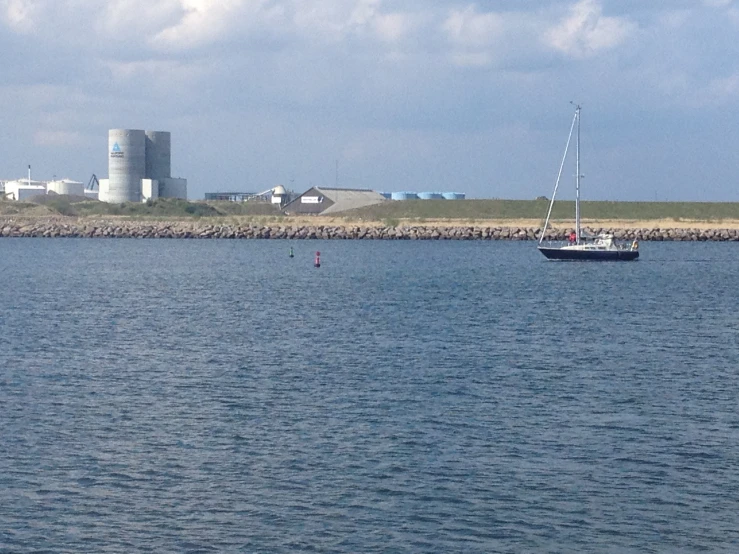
(23, 190)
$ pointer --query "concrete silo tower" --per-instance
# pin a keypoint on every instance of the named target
(158, 155)
(139, 167)
(126, 165)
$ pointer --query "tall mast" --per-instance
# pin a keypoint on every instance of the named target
(577, 180)
(559, 176)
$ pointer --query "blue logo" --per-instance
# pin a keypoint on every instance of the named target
(116, 148)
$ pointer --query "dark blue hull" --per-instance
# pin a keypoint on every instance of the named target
(590, 255)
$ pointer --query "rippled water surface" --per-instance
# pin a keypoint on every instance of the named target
(218, 396)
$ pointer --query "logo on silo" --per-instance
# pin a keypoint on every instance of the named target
(116, 151)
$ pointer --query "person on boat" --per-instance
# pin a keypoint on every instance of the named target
(573, 237)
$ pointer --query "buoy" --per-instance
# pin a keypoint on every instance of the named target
(292, 255)
(317, 263)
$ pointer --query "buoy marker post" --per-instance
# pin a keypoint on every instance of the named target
(317, 263)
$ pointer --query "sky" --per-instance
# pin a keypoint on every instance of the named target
(391, 95)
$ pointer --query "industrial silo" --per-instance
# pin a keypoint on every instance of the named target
(126, 164)
(66, 186)
(158, 155)
(430, 195)
(403, 196)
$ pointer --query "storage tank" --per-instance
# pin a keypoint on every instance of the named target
(279, 194)
(453, 195)
(158, 155)
(66, 186)
(430, 195)
(126, 164)
(403, 195)
(386, 195)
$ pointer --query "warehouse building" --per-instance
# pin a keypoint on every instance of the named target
(275, 195)
(139, 167)
(325, 201)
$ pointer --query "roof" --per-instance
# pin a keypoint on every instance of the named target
(349, 199)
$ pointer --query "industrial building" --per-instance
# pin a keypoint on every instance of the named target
(275, 195)
(23, 189)
(229, 196)
(325, 201)
(139, 167)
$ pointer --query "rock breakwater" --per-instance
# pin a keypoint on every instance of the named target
(203, 230)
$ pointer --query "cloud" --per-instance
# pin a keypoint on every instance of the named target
(490, 39)
(586, 31)
(19, 15)
(468, 27)
(393, 27)
(207, 21)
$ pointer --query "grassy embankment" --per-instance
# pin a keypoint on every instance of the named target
(531, 213)
(523, 213)
(163, 209)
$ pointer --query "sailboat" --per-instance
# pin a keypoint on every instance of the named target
(601, 247)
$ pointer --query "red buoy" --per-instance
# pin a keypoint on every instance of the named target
(317, 263)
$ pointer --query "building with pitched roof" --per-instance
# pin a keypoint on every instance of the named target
(325, 201)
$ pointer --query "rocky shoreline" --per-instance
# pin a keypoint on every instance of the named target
(203, 230)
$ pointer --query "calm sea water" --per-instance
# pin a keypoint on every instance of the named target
(218, 396)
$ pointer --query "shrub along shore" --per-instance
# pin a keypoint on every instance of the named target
(201, 229)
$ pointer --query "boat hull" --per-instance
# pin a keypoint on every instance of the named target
(589, 255)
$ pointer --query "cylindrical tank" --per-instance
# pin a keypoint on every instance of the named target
(158, 155)
(403, 195)
(387, 195)
(126, 164)
(453, 195)
(430, 195)
(66, 186)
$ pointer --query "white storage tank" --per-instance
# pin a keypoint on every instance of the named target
(66, 186)
(403, 195)
(279, 194)
(126, 165)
